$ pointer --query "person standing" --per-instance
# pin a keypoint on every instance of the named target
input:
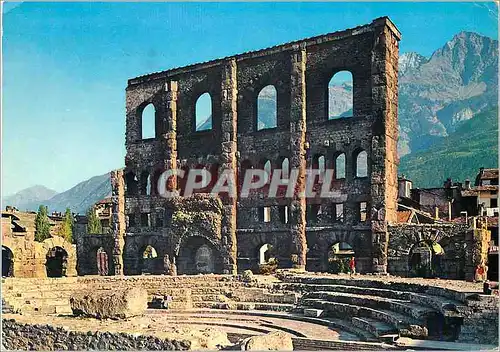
(352, 267)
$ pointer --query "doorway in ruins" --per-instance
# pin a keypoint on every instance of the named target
(102, 262)
(266, 254)
(425, 259)
(56, 262)
(7, 262)
(339, 255)
(149, 261)
(198, 256)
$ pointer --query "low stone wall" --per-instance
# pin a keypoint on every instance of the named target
(16, 336)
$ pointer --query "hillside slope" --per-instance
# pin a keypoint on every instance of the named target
(24, 199)
(459, 156)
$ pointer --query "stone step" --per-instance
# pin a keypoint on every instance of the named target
(406, 325)
(444, 305)
(244, 306)
(375, 327)
(379, 284)
(348, 326)
(403, 307)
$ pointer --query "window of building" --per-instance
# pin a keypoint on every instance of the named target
(131, 220)
(285, 169)
(314, 211)
(267, 103)
(145, 220)
(340, 95)
(148, 120)
(284, 214)
(338, 212)
(362, 212)
(361, 164)
(268, 170)
(494, 203)
(203, 112)
(159, 219)
(340, 166)
(131, 184)
(265, 214)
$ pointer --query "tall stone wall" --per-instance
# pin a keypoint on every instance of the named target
(300, 72)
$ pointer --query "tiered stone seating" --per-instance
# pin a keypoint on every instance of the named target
(46, 296)
(384, 310)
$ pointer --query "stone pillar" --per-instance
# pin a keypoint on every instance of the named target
(118, 218)
(384, 186)
(298, 155)
(477, 240)
(229, 100)
(169, 132)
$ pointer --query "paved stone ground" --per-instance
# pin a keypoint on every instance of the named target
(204, 329)
(201, 337)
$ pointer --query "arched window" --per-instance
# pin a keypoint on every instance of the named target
(361, 164)
(267, 103)
(203, 113)
(131, 184)
(145, 183)
(268, 170)
(340, 95)
(285, 169)
(148, 122)
(319, 164)
(340, 166)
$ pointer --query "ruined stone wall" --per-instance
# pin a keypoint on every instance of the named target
(452, 238)
(18, 336)
(300, 72)
(30, 257)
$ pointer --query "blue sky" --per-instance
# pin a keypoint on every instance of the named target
(66, 65)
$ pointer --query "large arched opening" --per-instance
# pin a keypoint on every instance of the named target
(267, 107)
(340, 95)
(56, 262)
(7, 262)
(198, 256)
(425, 259)
(338, 257)
(150, 263)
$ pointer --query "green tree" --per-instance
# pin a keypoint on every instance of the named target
(66, 230)
(93, 222)
(42, 225)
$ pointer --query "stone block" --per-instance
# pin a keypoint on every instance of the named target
(112, 304)
(275, 341)
(315, 313)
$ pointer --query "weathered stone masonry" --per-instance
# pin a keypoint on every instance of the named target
(300, 72)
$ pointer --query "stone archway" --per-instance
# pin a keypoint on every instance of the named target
(338, 257)
(7, 262)
(56, 262)
(265, 253)
(204, 260)
(150, 262)
(425, 259)
(197, 255)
